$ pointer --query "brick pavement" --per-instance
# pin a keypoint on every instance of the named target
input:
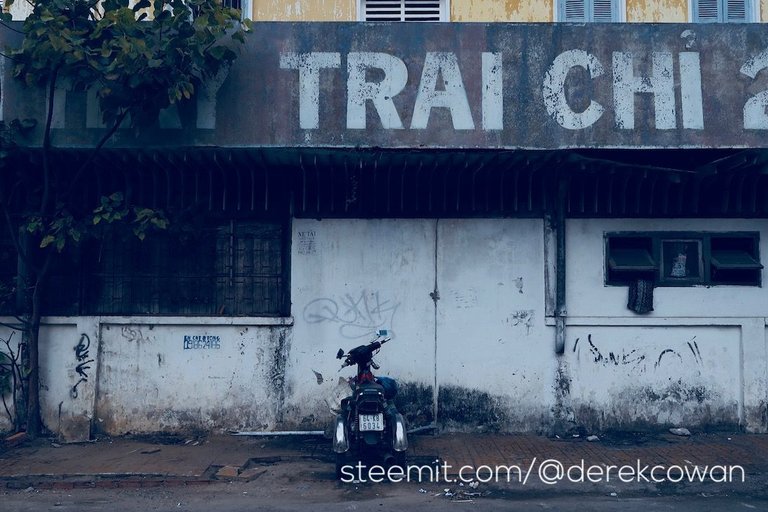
(748, 451)
(146, 462)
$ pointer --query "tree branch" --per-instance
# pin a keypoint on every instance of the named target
(96, 149)
(10, 28)
(47, 142)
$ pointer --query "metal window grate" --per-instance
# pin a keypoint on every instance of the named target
(403, 10)
(234, 269)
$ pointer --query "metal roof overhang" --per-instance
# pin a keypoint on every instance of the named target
(331, 182)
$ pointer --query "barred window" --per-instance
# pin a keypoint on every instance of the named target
(232, 269)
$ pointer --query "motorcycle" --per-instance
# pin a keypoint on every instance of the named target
(369, 428)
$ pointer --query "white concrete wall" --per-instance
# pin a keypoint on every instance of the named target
(495, 363)
(349, 279)
(700, 359)
(485, 345)
(588, 297)
(149, 381)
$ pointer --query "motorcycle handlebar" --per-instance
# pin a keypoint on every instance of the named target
(363, 351)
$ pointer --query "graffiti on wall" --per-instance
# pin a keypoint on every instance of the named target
(524, 318)
(134, 334)
(359, 316)
(82, 356)
(639, 360)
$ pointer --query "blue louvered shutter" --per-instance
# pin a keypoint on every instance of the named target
(573, 10)
(736, 10)
(588, 10)
(605, 10)
(706, 11)
(714, 11)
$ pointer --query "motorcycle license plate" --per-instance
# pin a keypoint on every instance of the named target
(369, 422)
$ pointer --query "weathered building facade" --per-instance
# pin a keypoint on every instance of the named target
(494, 194)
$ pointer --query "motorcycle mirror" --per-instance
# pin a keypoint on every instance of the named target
(340, 354)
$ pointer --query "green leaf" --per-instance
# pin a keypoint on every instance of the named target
(46, 241)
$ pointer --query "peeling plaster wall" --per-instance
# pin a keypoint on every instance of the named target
(304, 10)
(648, 376)
(149, 381)
(502, 10)
(657, 11)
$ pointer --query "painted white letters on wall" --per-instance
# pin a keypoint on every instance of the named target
(309, 66)
(359, 90)
(661, 84)
(554, 90)
(453, 96)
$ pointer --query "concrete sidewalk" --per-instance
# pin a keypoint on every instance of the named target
(153, 461)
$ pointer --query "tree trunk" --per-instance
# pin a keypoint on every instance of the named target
(34, 421)
(34, 280)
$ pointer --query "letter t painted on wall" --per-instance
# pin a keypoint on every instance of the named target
(309, 66)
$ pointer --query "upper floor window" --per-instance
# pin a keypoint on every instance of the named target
(403, 10)
(244, 6)
(723, 11)
(589, 10)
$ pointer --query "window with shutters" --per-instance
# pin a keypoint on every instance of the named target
(683, 258)
(589, 10)
(403, 10)
(723, 11)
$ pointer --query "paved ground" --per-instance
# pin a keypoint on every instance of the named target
(174, 461)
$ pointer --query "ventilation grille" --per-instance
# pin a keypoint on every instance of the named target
(403, 10)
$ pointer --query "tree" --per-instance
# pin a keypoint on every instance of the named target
(140, 58)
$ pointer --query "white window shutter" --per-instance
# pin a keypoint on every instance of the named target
(403, 10)
(422, 10)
